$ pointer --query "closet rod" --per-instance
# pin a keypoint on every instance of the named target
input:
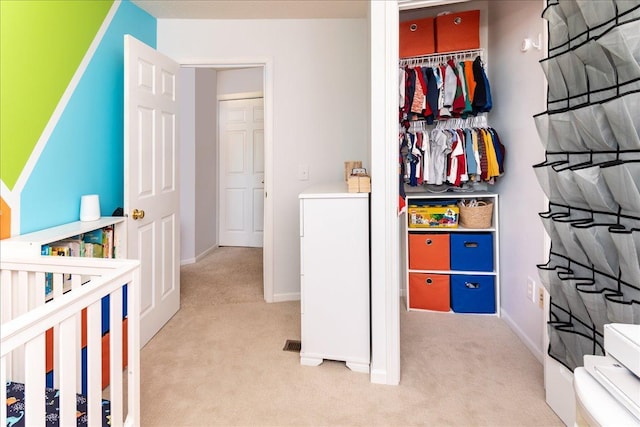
(442, 57)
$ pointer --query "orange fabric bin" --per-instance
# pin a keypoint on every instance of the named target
(429, 251)
(458, 31)
(429, 291)
(417, 37)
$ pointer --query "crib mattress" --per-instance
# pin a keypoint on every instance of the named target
(15, 407)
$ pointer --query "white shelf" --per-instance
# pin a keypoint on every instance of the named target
(30, 244)
(493, 230)
(450, 230)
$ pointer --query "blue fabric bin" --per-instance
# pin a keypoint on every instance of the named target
(471, 251)
(473, 294)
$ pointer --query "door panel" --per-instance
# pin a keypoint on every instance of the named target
(151, 180)
(241, 139)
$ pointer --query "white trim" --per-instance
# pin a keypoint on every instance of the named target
(533, 348)
(292, 296)
(12, 199)
(267, 67)
(205, 253)
(385, 254)
(198, 258)
(64, 100)
(240, 95)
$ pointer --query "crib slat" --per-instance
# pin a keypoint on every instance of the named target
(94, 358)
(6, 289)
(39, 292)
(58, 283)
(68, 371)
(115, 356)
(34, 396)
(133, 354)
(3, 390)
(6, 310)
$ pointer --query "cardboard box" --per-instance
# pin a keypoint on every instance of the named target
(433, 216)
(349, 166)
(359, 184)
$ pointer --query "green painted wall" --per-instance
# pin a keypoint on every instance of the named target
(37, 63)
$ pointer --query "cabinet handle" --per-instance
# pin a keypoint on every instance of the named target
(428, 241)
(429, 281)
(472, 285)
(470, 244)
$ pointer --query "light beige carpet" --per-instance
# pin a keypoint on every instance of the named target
(219, 362)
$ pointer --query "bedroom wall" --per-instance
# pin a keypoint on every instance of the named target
(519, 91)
(187, 166)
(320, 105)
(206, 179)
(62, 126)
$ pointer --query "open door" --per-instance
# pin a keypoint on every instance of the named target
(151, 190)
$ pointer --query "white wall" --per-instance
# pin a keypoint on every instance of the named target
(320, 104)
(187, 165)
(240, 81)
(518, 89)
(206, 160)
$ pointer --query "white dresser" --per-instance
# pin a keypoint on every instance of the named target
(334, 276)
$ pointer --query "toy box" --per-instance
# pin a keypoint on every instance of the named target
(433, 216)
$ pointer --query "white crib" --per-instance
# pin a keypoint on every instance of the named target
(27, 314)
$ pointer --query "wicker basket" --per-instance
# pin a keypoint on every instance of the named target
(476, 216)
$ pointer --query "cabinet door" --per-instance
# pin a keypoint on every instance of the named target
(336, 278)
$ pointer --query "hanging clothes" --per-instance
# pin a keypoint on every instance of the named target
(454, 152)
(450, 89)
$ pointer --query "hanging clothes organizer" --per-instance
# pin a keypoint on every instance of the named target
(591, 172)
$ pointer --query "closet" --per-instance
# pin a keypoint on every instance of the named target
(448, 155)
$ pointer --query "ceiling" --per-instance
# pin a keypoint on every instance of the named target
(254, 9)
(269, 9)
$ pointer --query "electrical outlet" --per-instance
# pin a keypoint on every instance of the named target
(541, 297)
(531, 288)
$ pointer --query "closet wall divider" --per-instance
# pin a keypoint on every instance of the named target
(591, 173)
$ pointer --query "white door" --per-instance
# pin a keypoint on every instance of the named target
(241, 165)
(151, 180)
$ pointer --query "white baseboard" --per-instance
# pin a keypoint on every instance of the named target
(293, 296)
(533, 348)
(188, 261)
(378, 376)
(207, 252)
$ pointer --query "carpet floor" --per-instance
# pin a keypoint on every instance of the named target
(220, 362)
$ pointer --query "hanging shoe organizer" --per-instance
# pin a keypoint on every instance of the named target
(591, 172)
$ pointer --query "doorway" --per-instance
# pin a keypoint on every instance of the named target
(206, 195)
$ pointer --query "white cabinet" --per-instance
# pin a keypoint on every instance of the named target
(334, 276)
(450, 269)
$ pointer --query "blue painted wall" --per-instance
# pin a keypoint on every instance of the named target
(84, 154)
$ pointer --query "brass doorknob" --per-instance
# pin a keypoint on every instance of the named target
(137, 214)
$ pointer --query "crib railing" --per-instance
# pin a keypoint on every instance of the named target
(28, 312)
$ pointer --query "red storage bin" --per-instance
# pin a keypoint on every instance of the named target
(429, 291)
(458, 31)
(429, 251)
(417, 37)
